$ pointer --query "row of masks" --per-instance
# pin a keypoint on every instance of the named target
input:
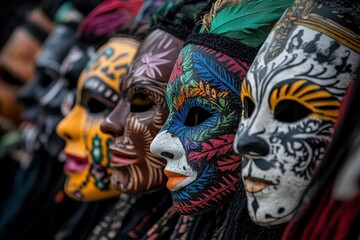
(229, 106)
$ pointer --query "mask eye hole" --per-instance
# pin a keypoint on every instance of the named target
(141, 102)
(290, 111)
(196, 116)
(248, 106)
(95, 106)
(45, 80)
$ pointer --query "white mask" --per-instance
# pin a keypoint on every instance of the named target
(291, 97)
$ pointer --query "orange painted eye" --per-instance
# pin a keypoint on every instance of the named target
(293, 100)
(247, 99)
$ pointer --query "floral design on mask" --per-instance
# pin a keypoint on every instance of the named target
(197, 137)
(178, 70)
(88, 159)
(150, 63)
(140, 114)
(291, 98)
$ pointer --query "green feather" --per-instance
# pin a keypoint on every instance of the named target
(249, 21)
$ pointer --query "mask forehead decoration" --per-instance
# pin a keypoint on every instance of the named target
(88, 160)
(203, 99)
(140, 114)
(291, 97)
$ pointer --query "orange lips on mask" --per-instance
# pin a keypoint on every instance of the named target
(254, 185)
(174, 179)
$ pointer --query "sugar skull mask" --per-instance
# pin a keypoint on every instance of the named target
(197, 137)
(140, 114)
(87, 164)
(291, 97)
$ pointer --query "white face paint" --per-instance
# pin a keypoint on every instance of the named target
(177, 169)
(291, 99)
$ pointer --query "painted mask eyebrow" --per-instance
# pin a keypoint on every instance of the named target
(247, 99)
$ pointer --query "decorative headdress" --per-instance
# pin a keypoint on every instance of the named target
(237, 27)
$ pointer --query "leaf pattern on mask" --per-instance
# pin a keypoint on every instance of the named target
(217, 193)
(215, 73)
(187, 92)
(210, 80)
(233, 65)
(197, 186)
(213, 195)
(230, 163)
(201, 89)
(222, 122)
(215, 147)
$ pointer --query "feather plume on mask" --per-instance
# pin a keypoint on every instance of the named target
(248, 21)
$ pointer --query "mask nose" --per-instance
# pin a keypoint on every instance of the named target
(113, 124)
(68, 128)
(166, 146)
(251, 145)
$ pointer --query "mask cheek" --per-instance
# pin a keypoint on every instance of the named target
(97, 147)
(295, 151)
(303, 145)
(156, 119)
(95, 178)
(147, 173)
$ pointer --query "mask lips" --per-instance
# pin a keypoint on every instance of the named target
(174, 179)
(74, 164)
(120, 158)
(254, 185)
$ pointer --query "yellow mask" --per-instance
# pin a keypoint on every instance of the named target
(87, 156)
